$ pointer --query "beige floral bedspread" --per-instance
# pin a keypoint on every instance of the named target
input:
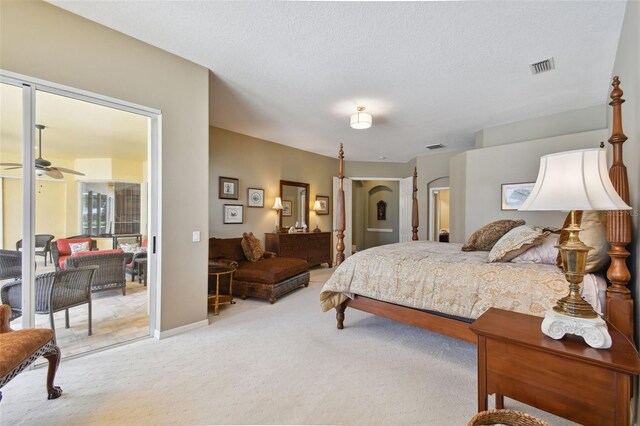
(440, 277)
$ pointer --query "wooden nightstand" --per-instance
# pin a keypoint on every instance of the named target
(564, 377)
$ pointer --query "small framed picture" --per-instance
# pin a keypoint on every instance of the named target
(255, 197)
(514, 194)
(228, 188)
(233, 213)
(324, 204)
(286, 207)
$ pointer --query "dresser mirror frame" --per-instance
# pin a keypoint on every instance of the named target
(284, 183)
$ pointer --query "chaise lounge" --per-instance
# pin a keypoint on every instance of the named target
(268, 278)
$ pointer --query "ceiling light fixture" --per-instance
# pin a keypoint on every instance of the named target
(361, 120)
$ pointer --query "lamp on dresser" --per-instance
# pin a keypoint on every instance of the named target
(571, 181)
(316, 207)
(277, 206)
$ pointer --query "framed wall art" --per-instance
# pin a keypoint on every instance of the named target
(255, 197)
(232, 213)
(286, 207)
(514, 194)
(324, 204)
(228, 188)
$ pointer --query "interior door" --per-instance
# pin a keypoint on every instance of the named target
(406, 193)
(348, 201)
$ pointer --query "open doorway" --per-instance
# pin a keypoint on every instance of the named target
(439, 214)
(90, 207)
(375, 213)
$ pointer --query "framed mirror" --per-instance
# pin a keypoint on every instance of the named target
(295, 204)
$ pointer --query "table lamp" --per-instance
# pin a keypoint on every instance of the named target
(570, 181)
(277, 206)
(316, 207)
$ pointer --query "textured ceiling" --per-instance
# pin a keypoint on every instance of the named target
(428, 72)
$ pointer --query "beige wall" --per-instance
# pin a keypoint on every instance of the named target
(374, 169)
(262, 164)
(389, 192)
(575, 121)
(444, 210)
(476, 191)
(43, 41)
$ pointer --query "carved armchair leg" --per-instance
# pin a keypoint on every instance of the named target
(340, 315)
(53, 356)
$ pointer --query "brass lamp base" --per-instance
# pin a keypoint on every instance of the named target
(574, 259)
(572, 314)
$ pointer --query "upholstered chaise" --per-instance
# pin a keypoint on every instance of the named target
(19, 349)
(268, 278)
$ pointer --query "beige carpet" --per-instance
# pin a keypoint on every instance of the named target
(265, 364)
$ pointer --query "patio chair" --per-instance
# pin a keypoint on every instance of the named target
(111, 272)
(55, 291)
(10, 264)
(43, 246)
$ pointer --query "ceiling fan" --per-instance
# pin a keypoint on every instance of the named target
(43, 167)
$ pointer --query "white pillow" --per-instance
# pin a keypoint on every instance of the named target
(516, 242)
(79, 247)
(129, 248)
(545, 253)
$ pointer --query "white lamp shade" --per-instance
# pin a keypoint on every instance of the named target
(361, 120)
(317, 206)
(277, 205)
(574, 180)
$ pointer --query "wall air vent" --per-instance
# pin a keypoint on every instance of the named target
(542, 66)
(434, 146)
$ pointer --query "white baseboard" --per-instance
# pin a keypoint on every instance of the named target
(157, 334)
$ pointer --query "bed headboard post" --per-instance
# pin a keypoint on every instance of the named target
(414, 209)
(340, 210)
(619, 302)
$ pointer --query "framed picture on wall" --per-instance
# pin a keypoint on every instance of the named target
(514, 195)
(324, 204)
(228, 188)
(232, 213)
(286, 207)
(255, 197)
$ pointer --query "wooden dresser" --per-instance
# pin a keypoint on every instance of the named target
(314, 247)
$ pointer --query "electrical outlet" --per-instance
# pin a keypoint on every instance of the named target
(196, 236)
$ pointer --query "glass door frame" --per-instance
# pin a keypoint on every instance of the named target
(30, 86)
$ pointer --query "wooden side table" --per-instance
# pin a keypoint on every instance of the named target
(218, 299)
(564, 377)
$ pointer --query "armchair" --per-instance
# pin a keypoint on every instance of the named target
(55, 291)
(19, 349)
(43, 246)
(10, 264)
(111, 272)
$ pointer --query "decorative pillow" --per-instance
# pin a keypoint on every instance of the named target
(516, 242)
(78, 247)
(485, 238)
(545, 253)
(594, 234)
(130, 248)
(252, 247)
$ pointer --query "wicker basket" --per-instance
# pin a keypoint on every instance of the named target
(505, 417)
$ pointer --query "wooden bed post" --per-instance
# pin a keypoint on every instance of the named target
(619, 302)
(414, 209)
(340, 208)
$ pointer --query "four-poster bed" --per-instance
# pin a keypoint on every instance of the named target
(619, 304)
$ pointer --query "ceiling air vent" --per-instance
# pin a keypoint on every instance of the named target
(434, 146)
(542, 66)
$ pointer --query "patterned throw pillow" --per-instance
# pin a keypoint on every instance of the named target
(252, 247)
(130, 248)
(594, 234)
(79, 247)
(485, 238)
(516, 242)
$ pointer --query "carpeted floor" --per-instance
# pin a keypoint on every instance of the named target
(265, 364)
